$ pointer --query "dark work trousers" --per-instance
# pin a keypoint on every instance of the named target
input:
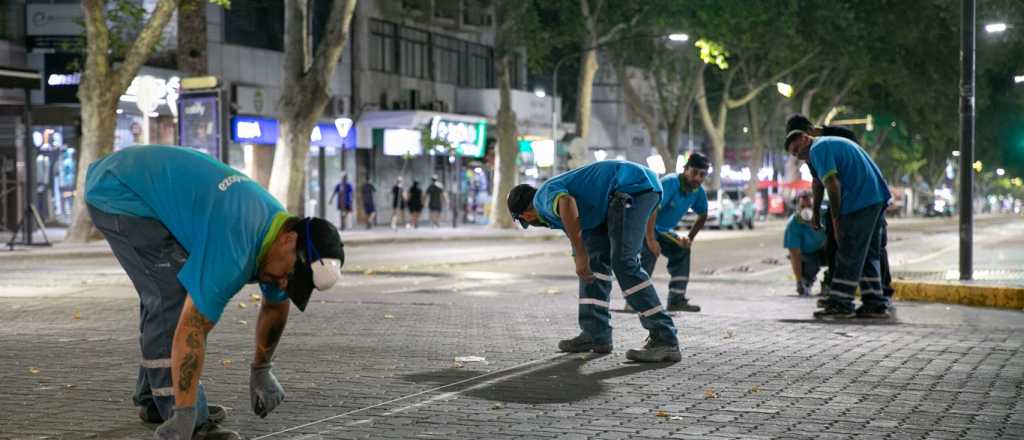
(830, 256)
(678, 267)
(152, 258)
(857, 262)
(614, 248)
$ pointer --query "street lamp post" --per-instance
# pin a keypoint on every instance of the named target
(967, 42)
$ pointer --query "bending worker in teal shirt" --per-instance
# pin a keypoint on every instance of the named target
(805, 244)
(190, 232)
(682, 192)
(857, 196)
(605, 209)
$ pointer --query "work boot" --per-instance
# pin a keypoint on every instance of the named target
(213, 431)
(655, 352)
(682, 305)
(830, 313)
(875, 312)
(583, 343)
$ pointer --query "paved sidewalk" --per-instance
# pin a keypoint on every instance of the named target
(376, 359)
(351, 237)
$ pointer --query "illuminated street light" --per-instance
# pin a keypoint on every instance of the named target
(784, 89)
(540, 93)
(956, 153)
(678, 37)
(1018, 79)
(994, 28)
(1000, 171)
(977, 166)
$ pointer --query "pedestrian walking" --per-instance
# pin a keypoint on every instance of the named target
(682, 193)
(805, 244)
(605, 209)
(369, 206)
(190, 232)
(857, 195)
(415, 203)
(436, 199)
(343, 192)
(800, 122)
(397, 203)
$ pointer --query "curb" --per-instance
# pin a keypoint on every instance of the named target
(101, 251)
(1003, 297)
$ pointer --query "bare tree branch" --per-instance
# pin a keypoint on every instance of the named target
(753, 93)
(329, 51)
(144, 44)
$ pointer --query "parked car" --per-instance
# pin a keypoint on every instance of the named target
(722, 212)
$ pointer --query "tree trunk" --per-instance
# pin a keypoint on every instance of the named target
(506, 174)
(757, 145)
(191, 53)
(585, 87)
(306, 78)
(99, 92)
(288, 174)
(97, 141)
(670, 155)
(636, 105)
(716, 134)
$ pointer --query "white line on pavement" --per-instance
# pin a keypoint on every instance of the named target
(433, 399)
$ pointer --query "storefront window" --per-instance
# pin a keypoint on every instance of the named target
(56, 168)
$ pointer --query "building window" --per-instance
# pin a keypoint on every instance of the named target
(255, 23)
(479, 72)
(414, 52)
(446, 9)
(383, 46)
(448, 58)
(476, 13)
(10, 21)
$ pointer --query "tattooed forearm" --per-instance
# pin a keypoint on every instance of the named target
(269, 327)
(189, 371)
(187, 353)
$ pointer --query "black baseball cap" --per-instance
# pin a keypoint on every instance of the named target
(697, 160)
(519, 200)
(319, 257)
(796, 124)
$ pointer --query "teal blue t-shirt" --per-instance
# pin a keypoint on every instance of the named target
(800, 235)
(861, 182)
(675, 202)
(218, 214)
(591, 186)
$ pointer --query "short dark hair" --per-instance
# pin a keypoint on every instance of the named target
(800, 122)
(520, 198)
(697, 160)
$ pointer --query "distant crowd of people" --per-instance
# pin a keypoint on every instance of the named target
(406, 204)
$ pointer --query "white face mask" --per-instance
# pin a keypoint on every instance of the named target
(807, 214)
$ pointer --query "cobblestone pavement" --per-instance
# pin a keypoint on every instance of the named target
(376, 359)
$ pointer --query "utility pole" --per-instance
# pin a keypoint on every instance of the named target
(967, 138)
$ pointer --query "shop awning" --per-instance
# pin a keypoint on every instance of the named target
(15, 78)
(412, 118)
(408, 119)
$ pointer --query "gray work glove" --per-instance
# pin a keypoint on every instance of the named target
(265, 391)
(179, 427)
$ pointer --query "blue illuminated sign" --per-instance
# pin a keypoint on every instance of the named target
(254, 130)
